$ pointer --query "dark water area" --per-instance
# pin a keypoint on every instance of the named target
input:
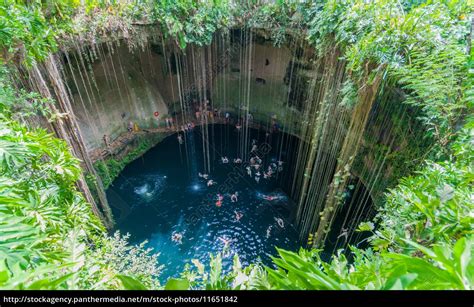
(161, 195)
(357, 207)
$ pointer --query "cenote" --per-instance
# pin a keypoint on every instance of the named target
(161, 193)
(326, 145)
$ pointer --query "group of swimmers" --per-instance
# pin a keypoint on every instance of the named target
(233, 198)
(280, 223)
(169, 122)
(253, 170)
(209, 182)
(187, 127)
(226, 160)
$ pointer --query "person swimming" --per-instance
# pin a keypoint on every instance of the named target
(220, 198)
(180, 139)
(280, 222)
(225, 241)
(233, 197)
(280, 166)
(177, 237)
(269, 230)
(211, 182)
(204, 176)
(270, 197)
(225, 160)
(238, 215)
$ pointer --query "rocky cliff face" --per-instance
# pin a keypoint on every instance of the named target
(113, 85)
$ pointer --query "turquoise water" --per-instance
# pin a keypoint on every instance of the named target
(161, 194)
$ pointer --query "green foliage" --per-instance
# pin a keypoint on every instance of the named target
(31, 30)
(279, 17)
(49, 236)
(177, 284)
(28, 29)
(442, 267)
(109, 169)
(50, 239)
(190, 21)
(214, 278)
(422, 46)
(424, 240)
(434, 206)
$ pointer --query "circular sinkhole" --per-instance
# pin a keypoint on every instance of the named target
(164, 198)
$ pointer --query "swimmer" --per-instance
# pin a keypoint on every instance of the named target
(237, 161)
(225, 160)
(220, 197)
(177, 237)
(269, 197)
(204, 176)
(238, 215)
(249, 171)
(180, 139)
(218, 203)
(280, 222)
(280, 166)
(225, 241)
(211, 182)
(233, 197)
(269, 229)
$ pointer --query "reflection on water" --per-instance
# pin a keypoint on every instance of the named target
(183, 218)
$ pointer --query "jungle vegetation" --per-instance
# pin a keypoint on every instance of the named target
(51, 239)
